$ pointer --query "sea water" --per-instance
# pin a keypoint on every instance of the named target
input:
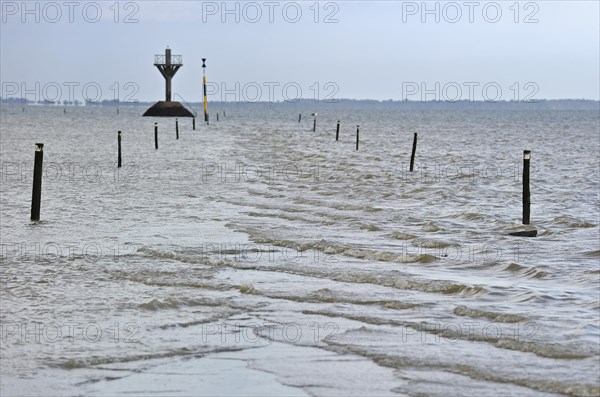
(257, 233)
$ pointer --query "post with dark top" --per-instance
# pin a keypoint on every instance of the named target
(357, 139)
(299, 117)
(176, 128)
(337, 131)
(36, 197)
(414, 150)
(205, 98)
(119, 145)
(314, 122)
(526, 200)
(155, 135)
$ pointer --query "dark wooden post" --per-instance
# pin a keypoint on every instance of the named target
(337, 131)
(357, 139)
(155, 135)
(36, 197)
(119, 145)
(176, 128)
(414, 150)
(526, 192)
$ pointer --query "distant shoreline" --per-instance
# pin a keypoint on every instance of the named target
(352, 104)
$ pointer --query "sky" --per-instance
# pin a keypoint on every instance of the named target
(327, 50)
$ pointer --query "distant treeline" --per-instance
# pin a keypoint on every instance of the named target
(356, 104)
(25, 101)
(362, 104)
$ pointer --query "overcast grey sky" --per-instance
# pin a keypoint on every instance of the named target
(267, 50)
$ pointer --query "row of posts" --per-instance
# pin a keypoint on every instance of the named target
(156, 132)
(337, 137)
(526, 165)
(39, 158)
(337, 130)
(36, 197)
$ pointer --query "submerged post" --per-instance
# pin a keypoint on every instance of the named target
(337, 131)
(176, 128)
(526, 192)
(217, 116)
(155, 135)
(299, 117)
(357, 139)
(414, 150)
(36, 197)
(119, 145)
(314, 122)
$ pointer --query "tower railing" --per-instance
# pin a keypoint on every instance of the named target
(162, 59)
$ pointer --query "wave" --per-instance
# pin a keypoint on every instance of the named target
(359, 253)
(494, 316)
(531, 272)
(288, 218)
(93, 361)
(573, 222)
(402, 236)
(370, 227)
(174, 303)
(546, 350)
(249, 289)
(325, 295)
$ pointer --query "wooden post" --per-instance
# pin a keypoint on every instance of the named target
(314, 122)
(414, 150)
(155, 135)
(119, 144)
(526, 192)
(217, 116)
(357, 139)
(194, 123)
(36, 197)
(299, 117)
(176, 128)
(337, 131)
(223, 114)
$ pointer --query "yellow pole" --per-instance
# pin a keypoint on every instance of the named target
(204, 88)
